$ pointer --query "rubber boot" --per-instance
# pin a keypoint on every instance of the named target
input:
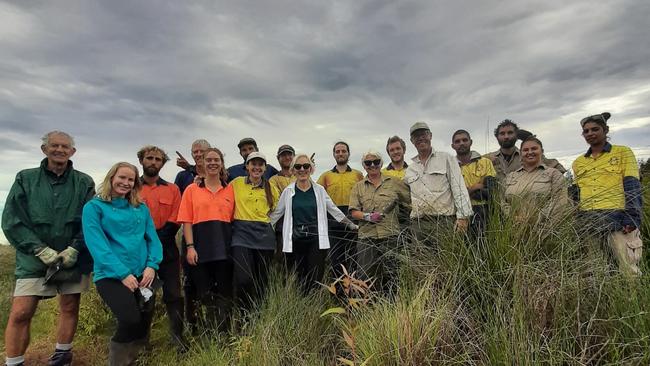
(124, 354)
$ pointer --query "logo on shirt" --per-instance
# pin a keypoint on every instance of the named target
(614, 161)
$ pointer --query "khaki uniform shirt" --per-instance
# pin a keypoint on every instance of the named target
(387, 198)
(503, 166)
(541, 191)
(437, 187)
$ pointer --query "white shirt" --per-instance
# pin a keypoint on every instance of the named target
(437, 187)
(324, 204)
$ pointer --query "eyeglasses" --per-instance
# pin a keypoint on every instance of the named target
(369, 163)
(304, 166)
(595, 118)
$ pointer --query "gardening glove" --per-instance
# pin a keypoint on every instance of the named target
(373, 217)
(47, 255)
(351, 226)
(68, 257)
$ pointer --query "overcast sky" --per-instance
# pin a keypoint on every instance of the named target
(120, 74)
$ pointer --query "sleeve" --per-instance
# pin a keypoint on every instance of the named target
(404, 196)
(279, 208)
(458, 189)
(185, 208)
(78, 241)
(336, 213)
(355, 198)
(16, 223)
(97, 242)
(560, 195)
(321, 180)
(230, 194)
(632, 189)
(170, 228)
(154, 247)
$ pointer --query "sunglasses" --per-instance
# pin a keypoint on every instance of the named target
(369, 163)
(304, 166)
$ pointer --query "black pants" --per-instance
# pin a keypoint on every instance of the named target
(377, 261)
(213, 288)
(250, 274)
(133, 323)
(343, 247)
(190, 300)
(308, 261)
(170, 273)
(478, 222)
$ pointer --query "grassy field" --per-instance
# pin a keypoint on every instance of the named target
(528, 295)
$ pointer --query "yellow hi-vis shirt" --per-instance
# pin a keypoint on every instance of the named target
(392, 172)
(338, 185)
(476, 171)
(250, 200)
(600, 179)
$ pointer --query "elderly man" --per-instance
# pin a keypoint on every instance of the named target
(163, 200)
(438, 194)
(186, 176)
(42, 220)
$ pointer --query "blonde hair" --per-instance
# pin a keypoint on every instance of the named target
(301, 155)
(106, 187)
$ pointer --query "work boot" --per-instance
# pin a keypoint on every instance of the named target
(60, 358)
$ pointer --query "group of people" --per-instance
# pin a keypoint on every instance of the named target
(236, 221)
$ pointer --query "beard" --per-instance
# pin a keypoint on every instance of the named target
(508, 143)
(151, 171)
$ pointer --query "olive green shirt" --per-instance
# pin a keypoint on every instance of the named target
(388, 198)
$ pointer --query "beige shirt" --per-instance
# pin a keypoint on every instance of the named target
(388, 198)
(504, 167)
(437, 187)
(542, 190)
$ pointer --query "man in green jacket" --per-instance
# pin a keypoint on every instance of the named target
(42, 220)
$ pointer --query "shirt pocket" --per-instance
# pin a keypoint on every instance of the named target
(436, 180)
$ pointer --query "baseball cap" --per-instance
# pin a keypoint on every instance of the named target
(255, 155)
(419, 126)
(285, 148)
(245, 141)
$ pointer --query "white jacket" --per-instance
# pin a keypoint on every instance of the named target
(324, 204)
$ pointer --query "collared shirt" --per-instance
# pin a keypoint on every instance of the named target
(542, 189)
(239, 170)
(391, 194)
(392, 172)
(43, 209)
(211, 215)
(163, 199)
(437, 187)
(475, 172)
(280, 182)
(251, 226)
(338, 185)
(503, 166)
(600, 179)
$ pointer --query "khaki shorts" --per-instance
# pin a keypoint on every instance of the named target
(35, 287)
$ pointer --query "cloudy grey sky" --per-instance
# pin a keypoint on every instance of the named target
(121, 74)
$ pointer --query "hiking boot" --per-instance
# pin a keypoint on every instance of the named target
(60, 358)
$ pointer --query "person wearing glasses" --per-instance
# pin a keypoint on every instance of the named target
(375, 202)
(439, 198)
(609, 193)
(305, 205)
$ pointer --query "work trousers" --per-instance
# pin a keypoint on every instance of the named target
(308, 261)
(169, 272)
(250, 273)
(133, 322)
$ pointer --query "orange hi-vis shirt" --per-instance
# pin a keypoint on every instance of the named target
(163, 200)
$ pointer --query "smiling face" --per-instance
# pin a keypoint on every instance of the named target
(302, 169)
(421, 139)
(122, 182)
(58, 149)
(396, 152)
(531, 153)
(372, 164)
(285, 159)
(256, 168)
(197, 153)
(594, 133)
(461, 144)
(212, 163)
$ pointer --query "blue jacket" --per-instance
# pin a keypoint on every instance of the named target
(121, 238)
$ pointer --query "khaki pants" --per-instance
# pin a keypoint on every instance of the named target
(627, 249)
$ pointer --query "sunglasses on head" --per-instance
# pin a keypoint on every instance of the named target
(304, 166)
(594, 118)
(369, 163)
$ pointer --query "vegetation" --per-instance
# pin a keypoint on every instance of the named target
(528, 294)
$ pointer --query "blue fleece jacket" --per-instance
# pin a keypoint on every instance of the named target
(121, 238)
